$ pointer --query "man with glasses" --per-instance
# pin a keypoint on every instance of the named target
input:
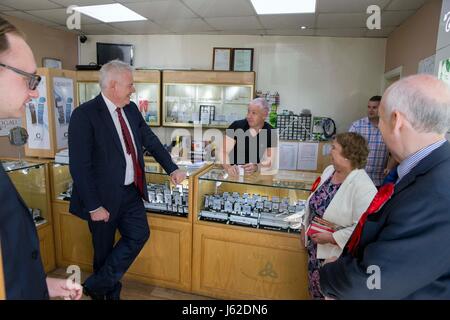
(23, 271)
(33, 79)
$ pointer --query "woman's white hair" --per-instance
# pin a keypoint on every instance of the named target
(423, 100)
(110, 70)
(261, 103)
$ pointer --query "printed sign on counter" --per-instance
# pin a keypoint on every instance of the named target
(307, 156)
(8, 124)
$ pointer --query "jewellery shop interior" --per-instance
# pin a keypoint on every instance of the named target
(197, 65)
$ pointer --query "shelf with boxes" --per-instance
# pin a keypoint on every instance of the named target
(30, 178)
(242, 246)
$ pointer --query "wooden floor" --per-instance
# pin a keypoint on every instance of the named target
(133, 290)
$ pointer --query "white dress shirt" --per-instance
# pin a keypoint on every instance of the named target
(129, 173)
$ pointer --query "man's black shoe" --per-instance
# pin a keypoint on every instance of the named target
(92, 295)
(115, 293)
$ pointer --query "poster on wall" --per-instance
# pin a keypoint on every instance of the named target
(36, 112)
(64, 104)
(8, 124)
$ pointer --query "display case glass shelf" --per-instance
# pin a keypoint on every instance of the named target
(30, 180)
(257, 200)
(165, 197)
(211, 105)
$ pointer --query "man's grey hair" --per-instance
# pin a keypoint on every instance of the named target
(423, 100)
(261, 103)
(110, 70)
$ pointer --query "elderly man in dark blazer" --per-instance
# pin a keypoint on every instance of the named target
(106, 139)
(400, 249)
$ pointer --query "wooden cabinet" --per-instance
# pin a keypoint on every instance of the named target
(72, 239)
(147, 84)
(47, 247)
(236, 263)
(235, 255)
(31, 179)
(165, 260)
(72, 236)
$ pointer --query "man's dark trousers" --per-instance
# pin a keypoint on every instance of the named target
(112, 261)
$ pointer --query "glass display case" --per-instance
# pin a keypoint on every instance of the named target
(166, 198)
(255, 201)
(208, 98)
(208, 105)
(87, 91)
(62, 182)
(146, 97)
(30, 180)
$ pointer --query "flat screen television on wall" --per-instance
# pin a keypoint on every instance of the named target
(111, 51)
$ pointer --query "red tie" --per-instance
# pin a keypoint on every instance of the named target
(138, 178)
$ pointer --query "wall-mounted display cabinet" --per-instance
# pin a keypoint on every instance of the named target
(147, 96)
(242, 246)
(210, 98)
(47, 117)
(31, 181)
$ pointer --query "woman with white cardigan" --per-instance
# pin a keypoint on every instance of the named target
(341, 197)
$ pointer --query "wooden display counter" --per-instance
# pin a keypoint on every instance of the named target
(232, 262)
(242, 262)
(165, 259)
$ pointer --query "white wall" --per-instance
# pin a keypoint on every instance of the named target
(332, 77)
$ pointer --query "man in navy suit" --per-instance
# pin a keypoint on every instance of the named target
(403, 250)
(106, 136)
(23, 270)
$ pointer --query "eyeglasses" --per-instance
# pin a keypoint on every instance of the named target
(33, 79)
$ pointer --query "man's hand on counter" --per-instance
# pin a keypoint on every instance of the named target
(232, 170)
(250, 168)
(177, 176)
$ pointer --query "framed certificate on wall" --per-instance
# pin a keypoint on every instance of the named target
(222, 59)
(243, 59)
(51, 63)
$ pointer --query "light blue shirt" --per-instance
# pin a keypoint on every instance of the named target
(409, 163)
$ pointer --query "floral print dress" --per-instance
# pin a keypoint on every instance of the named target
(317, 206)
